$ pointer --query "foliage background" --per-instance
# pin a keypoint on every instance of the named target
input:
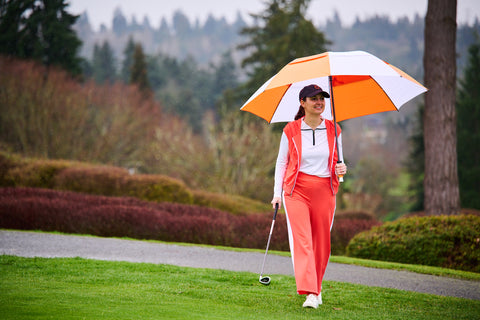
(189, 126)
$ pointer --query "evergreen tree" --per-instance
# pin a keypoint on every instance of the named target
(103, 63)
(416, 164)
(225, 83)
(468, 131)
(40, 30)
(119, 22)
(224, 76)
(127, 60)
(280, 35)
(163, 32)
(11, 18)
(138, 72)
(181, 24)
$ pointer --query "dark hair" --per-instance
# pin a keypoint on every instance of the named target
(300, 113)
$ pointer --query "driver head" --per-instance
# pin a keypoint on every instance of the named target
(264, 280)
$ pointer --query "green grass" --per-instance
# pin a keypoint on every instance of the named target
(65, 288)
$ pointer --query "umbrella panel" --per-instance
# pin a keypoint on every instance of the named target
(356, 96)
(261, 104)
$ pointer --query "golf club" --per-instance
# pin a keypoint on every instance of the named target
(262, 279)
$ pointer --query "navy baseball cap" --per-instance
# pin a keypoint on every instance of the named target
(311, 91)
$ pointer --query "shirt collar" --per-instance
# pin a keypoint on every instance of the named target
(307, 127)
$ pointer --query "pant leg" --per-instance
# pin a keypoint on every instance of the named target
(309, 216)
(301, 245)
(323, 209)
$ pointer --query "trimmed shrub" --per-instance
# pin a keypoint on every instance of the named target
(49, 210)
(114, 181)
(38, 173)
(8, 162)
(346, 225)
(98, 180)
(442, 241)
(156, 188)
(231, 203)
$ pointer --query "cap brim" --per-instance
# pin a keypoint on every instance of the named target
(324, 93)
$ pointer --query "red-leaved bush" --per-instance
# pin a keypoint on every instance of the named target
(50, 210)
(64, 211)
(346, 225)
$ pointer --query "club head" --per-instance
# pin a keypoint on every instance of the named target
(264, 280)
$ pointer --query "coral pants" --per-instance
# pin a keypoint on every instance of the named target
(310, 210)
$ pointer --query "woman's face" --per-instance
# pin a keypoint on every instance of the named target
(314, 105)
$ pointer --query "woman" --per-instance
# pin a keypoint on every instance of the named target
(306, 176)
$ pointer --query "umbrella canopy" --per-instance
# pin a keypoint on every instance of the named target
(358, 82)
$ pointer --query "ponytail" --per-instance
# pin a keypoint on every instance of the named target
(300, 113)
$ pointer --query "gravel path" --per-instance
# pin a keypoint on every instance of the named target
(32, 244)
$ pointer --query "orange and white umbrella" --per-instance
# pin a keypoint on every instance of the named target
(359, 84)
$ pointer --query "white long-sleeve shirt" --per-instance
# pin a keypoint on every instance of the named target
(315, 154)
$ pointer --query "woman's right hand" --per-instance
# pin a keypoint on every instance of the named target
(277, 200)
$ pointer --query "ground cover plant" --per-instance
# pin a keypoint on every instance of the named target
(38, 288)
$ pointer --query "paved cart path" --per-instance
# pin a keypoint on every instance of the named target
(33, 244)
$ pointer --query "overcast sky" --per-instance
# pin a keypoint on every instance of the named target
(101, 11)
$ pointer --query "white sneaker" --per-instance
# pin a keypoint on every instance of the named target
(319, 298)
(311, 301)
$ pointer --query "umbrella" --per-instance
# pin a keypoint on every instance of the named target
(359, 84)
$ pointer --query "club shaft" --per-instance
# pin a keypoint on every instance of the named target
(269, 237)
(268, 244)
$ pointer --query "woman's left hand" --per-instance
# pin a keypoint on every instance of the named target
(340, 169)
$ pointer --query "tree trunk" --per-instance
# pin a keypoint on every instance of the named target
(440, 137)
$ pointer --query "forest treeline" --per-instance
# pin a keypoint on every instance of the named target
(194, 62)
(400, 41)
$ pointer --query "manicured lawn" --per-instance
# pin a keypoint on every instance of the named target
(38, 288)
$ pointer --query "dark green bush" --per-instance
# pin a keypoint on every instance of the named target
(156, 188)
(442, 241)
(37, 173)
(7, 163)
(230, 203)
(99, 180)
(115, 181)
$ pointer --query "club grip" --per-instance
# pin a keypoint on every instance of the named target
(340, 176)
(276, 210)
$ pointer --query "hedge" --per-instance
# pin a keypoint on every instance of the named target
(8, 162)
(442, 241)
(113, 181)
(70, 212)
